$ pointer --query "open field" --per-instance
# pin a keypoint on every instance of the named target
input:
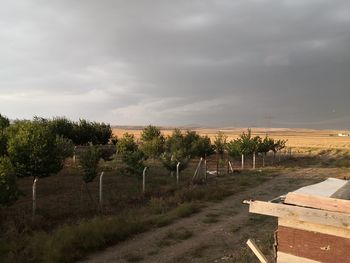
(194, 221)
(219, 231)
(299, 139)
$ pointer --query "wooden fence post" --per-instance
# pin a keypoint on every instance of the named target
(34, 196)
(242, 161)
(254, 160)
(198, 166)
(100, 189)
(177, 173)
(144, 180)
(230, 164)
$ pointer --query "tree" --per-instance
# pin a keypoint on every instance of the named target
(170, 161)
(244, 142)
(63, 127)
(4, 122)
(89, 160)
(175, 142)
(150, 132)
(126, 144)
(131, 155)
(278, 145)
(265, 146)
(202, 147)
(220, 142)
(102, 133)
(34, 149)
(152, 142)
(8, 187)
(83, 132)
(234, 149)
(3, 143)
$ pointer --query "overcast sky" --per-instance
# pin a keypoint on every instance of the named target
(281, 63)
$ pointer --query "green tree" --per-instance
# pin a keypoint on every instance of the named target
(89, 160)
(234, 149)
(63, 127)
(8, 187)
(4, 122)
(247, 143)
(220, 142)
(131, 155)
(3, 143)
(266, 145)
(150, 132)
(175, 142)
(126, 144)
(102, 133)
(34, 149)
(202, 147)
(152, 142)
(83, 132)
(170, 161)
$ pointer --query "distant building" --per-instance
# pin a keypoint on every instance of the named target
(343, 135)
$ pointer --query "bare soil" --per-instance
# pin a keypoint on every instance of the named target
(219, 232)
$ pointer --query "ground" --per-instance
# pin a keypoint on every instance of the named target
(191, 222)
(219, 232)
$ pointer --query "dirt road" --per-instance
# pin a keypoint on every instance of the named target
(218, 232)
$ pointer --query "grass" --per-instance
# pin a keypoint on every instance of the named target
(68, 225)
(199, 251)
(211, 218)
(183, 210)
(179, 234)
(175, 236)
(131, 257)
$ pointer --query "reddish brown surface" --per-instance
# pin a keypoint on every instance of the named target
(312, 245)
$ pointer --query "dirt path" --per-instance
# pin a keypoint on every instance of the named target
(216, 234)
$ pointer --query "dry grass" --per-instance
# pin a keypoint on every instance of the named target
(300, 139)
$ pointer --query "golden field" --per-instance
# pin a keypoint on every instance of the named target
(297, 138)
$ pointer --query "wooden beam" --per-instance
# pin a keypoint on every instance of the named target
(330, 230)
(319, 202)
(251, 244)
(301, 213)
(343, 192)
(287, 258)
(312, 245)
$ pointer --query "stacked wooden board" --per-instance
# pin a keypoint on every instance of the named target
(313, 223)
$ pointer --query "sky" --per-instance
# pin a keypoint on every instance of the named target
(223, 63)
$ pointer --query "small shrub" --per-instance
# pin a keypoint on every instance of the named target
(8, 186)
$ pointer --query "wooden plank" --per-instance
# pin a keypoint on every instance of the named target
(325, 188)
(319, 202)
(251, 244)
(343, 192)
(301, 213)
(312, 245)
(330, 230)
(286, 258)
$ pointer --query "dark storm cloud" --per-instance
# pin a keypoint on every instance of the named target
(177, 62)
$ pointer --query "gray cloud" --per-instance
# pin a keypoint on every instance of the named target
(177, 62)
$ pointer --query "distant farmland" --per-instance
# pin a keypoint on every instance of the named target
(297, 138)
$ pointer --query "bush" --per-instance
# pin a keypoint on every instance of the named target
(8, 187)
(33, 149)
(89, 160)
(170, 161)
(132, 156)
(152, 141)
